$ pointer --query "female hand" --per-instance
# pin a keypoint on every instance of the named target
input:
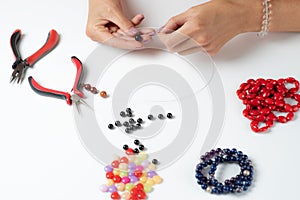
(210, 25)
(107, 24)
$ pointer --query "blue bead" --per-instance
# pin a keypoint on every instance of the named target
(204, 186)
(214, 191)
(233, 151)
(214, 182)
(226, 189)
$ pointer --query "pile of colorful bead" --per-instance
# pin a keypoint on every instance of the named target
(264, 97)
(212, 159)
(130, 177)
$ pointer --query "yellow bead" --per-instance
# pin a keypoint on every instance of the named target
(125, 195)
(157, 179)
(152, 167)
(143, 179)
(143, 156)
(116, 172)
(110, 182)
(150, 181)
(138, 160)
(120, 186)
(123, 173)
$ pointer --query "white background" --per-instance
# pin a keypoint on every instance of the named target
(41, 156)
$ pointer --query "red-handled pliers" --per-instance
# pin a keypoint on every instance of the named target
(74, 98)
(21, 65)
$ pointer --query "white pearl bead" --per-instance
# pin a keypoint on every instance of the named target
(246, 172)
(209, 189)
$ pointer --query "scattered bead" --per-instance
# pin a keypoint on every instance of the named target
(126, 124)
(127, 130)
(136, 150)
(131, 121)
(87, 87)
(155, 161)
(139, 120)
(115, 196)
(122, 114)
(94, 90)
(128, 110)
(160, 116)
(150, 117)
(169, 115)
(125, 147)
(141, 147)
(138, 38)
(103, 94)
(118, 123)
(110, 126)
(136, 142)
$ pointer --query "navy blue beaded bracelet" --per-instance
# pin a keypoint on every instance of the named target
(212, 159)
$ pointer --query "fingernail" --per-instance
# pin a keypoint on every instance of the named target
(134, 31)
(147, 41)
(160, 29)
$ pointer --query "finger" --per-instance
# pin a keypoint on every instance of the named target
(187, 44)
(137, 19)
(174, 23)
(145, 38)
(126, 25)
(172, 40)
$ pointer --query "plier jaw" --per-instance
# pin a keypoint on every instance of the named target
(20, 65)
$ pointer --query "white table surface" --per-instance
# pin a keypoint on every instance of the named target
(41, 156)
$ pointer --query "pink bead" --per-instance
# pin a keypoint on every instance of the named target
(139, 167)
(125, 180)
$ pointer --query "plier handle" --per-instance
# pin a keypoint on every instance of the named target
(74, 98)
(20, 65)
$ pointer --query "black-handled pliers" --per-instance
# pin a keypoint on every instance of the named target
(20, 65)
(70, 99)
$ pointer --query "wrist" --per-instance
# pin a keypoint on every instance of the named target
(252, 15)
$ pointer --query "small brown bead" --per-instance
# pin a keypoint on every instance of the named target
(103, 94)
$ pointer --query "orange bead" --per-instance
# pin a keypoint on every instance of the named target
(103, 94)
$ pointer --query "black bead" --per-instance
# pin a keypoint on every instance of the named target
(155, 161)
(150, 117)
(127, 130)
(110, 126)
(136, 142)
(118, 124)
(131, 121)
(126, 124)
(160, 116)
(141, 147)
(128, 110)
(122, 114)
(139, 120)
(138, 126)
(138, 37)
(169, 115)
(136, 150)
(129, 114)
(125, 147)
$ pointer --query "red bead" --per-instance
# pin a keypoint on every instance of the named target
(279, 103)
(265, 111)
(129, 151)
(289, 116)
(245, 112)
(254, 89)
(260, 118)
(269, 86)
(290, 79)
(142, 194)
(254, 125)
(269, 101)
(123, 160)
(254, 102)
(138, 173)
(253, 112)
(115, 164)
(115, 196)
(288, 108)
(297, 97)
(278, 96)
(260, 97)
(250, 81)
(281, 119)
(271, 117)
(251, 96)
(272, 107)
(103, 94)
(296, 107)
(134, 191)
(242, 96)
(280, 81)
(117, 179)
(293, 90)
(140, 186)
(266, 94)
(110, 175)
(242, 86)
(269, 123)
(133, 198)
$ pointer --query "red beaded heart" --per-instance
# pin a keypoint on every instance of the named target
(264, 97)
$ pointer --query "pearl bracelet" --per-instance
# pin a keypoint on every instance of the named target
(266, 18)
(209, 164)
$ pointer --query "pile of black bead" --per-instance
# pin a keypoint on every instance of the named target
(212, 159)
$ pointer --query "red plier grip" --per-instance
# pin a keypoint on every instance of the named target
(49, 92)
(52, 41)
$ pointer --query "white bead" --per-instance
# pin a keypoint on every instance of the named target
(246, 172)
(209, 189)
